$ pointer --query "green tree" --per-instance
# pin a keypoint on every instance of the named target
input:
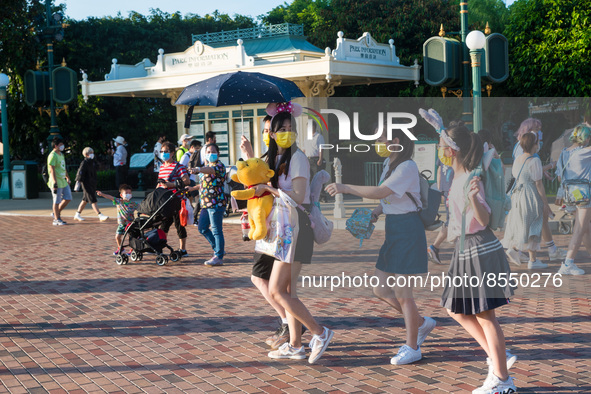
(492, 11)
(549, 43)
(90, 45)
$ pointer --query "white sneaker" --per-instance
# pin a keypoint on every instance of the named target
(214, 261)
(287, 351)
(536, 264)
(513, 256)
(523, 257)
(102, 217)
(570, 269)
(59, 222)
(406, 355)
(78, 217)
(425, 329)
(560, 254)
(511, 358)
(497, 386)
(318, 345)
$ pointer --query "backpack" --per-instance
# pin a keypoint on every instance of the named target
(430, 201)
(491, 172)
(359, 224)
(45, 173)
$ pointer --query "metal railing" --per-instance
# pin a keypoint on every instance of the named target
(372, 172)
(281, 29)
(551, 186)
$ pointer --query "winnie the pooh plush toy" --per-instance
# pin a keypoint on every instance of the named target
(250, 173)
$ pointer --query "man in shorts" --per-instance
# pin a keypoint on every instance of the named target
(59, 181)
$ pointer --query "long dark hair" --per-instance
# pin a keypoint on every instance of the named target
(283, 165)
(470, 144)
(408, 148)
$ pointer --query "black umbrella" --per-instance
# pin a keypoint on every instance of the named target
(237, 88)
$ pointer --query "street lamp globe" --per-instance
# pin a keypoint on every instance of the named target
(475, 40)
(4, 80)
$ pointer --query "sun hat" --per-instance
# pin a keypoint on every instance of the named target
(120, 140)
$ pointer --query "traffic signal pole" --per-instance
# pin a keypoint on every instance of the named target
(53, 129)
(466, 71)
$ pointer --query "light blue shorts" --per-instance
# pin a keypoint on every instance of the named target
(62, 193)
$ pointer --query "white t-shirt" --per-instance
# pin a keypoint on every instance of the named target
(185, 161)
(312, 147)
(299, 167)
(405, 178)
(157, 163)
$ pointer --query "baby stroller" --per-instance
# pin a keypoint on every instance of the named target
(230, 186)
(157, 206)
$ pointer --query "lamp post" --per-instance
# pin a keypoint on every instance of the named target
(5, 187)
(52, 30)
(475, 41)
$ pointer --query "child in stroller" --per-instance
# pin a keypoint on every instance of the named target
(157, 206)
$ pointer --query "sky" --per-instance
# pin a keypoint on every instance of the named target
(82, 9)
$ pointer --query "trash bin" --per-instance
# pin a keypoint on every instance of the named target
(24, 182)
(139, 163)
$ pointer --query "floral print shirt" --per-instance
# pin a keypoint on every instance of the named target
(212, 194)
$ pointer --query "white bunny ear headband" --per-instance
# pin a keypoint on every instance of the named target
(433, 118)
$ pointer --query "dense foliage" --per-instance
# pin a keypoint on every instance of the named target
(549, 49)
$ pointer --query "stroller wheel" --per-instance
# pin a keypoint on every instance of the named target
(175, 256)
(564, 228)
(161, 260)
(140, 256)
(134, 256)
(119, 259)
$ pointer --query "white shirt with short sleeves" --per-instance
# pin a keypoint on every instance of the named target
(185, 161)
(405, 178)
(299, 167)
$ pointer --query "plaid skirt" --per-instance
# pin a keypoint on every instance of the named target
(483, 257)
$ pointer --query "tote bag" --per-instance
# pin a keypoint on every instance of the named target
(282, 230)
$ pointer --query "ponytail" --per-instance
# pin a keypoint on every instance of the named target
(472, 158)
(470, 144)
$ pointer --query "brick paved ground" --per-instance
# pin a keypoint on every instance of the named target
(74, 321)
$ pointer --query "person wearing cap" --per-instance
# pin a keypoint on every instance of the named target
(120, 160)
(184, 143)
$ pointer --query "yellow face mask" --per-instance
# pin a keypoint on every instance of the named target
(266, 139)
(382, 149)
(285, 139)
(446, 161)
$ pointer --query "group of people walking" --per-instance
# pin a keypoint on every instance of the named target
(198, 169)
(404, 251)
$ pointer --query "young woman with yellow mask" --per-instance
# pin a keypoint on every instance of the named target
(292, 176)
(404, 251)
(445, 175)
(263, 264)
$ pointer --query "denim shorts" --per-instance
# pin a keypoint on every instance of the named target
(60, 194)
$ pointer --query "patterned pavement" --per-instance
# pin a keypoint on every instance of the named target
(74, 321)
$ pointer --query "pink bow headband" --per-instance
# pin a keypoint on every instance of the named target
(290, 107)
